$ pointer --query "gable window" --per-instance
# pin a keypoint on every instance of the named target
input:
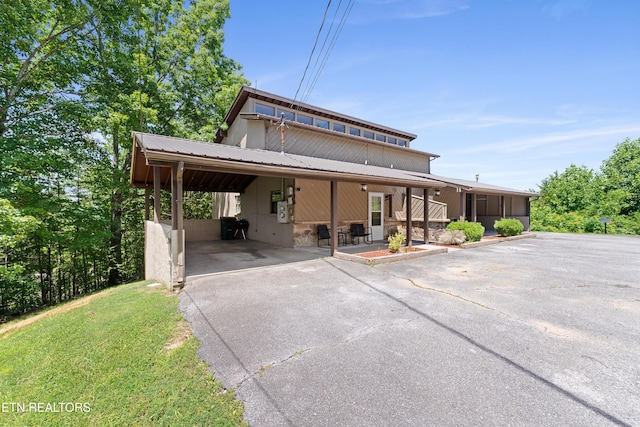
(402, 143)
(265, 109)
(338, 127)
(391, 140)
(367, 134)
(288, 115)
(322, 123)
(305, 120)
(354, 131)
(381, 138)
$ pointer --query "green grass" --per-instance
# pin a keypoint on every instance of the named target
(127, 356)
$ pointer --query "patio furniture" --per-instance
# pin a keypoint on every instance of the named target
(358, 231)
(323, 234)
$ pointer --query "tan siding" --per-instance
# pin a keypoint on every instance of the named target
(328, 146)
(312, 203)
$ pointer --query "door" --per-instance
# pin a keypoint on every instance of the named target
(376, 217)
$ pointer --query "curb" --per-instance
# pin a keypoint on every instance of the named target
(494, 241)
(388, 258)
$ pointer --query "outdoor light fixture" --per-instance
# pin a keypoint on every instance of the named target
(437, 192)
(364, 187)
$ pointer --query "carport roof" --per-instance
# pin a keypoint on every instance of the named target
(218, 167)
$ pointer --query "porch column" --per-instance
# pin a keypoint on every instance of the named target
(463, 205)
(156, 194)
(474, 207)
(426, 216)
(147, 195)
(503, 207)
(408, 218)
(177, 218)
(334, 217)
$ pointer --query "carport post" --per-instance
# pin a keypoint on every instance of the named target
(425, 216)
(156, 194)
(503, 210)
(408, 218)
(177, 217)
(147, 196)
(334, 217)
(463, 205)
(474, 207)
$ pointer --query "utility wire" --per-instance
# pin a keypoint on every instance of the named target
(312, 51)
(329, 50)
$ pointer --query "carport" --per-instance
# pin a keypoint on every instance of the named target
(161, 162)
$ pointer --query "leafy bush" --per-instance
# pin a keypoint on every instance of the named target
(472, 230)
(508, 227)
(396, 241)
(452, 237)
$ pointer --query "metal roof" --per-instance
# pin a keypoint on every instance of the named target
(218, 167)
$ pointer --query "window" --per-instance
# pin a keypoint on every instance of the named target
(381, 138)
(288, 115)
(276, 196)
(387, 200)
(402, 143)
(354, 131)
(367, 134)
(322, 123)
(338, 127)
(305, 120)
(391, 140)
(265, 109)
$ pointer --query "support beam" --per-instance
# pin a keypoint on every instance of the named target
(334, 217)
(409, 218)
(156, 194)
(180, 223)
(147, 209)
(463, 205)
(474, 207)
(425, 215)
(503, 207)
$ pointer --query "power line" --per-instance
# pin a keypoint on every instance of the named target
(329, 41)
(312, 50)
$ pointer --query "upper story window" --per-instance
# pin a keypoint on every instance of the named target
(324, 124)
(265, 109)
(288, 115)
(305, 120)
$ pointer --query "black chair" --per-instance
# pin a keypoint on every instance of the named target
(323, 234)
(358, 231)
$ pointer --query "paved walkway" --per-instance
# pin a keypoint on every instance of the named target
(541, 331)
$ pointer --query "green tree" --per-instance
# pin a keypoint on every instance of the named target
(622, 174)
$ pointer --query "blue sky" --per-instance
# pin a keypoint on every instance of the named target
(511, 90)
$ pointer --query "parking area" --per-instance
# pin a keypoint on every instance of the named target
(542, 331)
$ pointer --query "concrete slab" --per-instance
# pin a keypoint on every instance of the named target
(543, 331)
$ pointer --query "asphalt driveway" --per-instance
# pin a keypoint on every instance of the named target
(541, 331)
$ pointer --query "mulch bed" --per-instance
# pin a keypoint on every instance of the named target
(385, 252)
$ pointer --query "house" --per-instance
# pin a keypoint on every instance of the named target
(294, 166)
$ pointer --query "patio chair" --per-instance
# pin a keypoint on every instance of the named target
(358, 231)
(323, 234)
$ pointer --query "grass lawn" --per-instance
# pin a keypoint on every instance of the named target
(125, 357)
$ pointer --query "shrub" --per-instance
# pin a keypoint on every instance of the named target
(472, 230)
(508, 227)
(396, 241)
(452, 237)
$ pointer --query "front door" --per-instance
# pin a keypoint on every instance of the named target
(376, 218)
